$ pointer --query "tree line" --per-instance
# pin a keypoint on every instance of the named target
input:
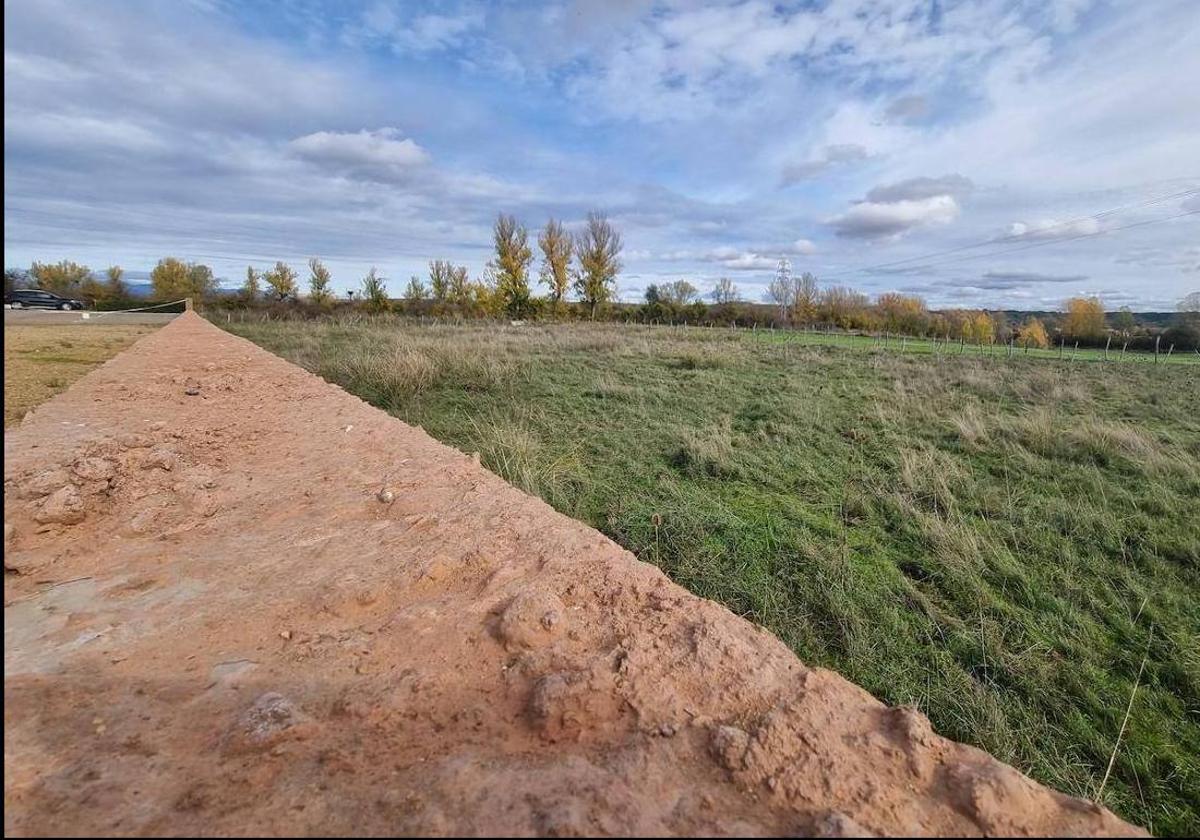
(171, 279)
(799, 301)
(69, 279)
(585, 265)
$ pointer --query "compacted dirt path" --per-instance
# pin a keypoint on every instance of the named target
(241, 601)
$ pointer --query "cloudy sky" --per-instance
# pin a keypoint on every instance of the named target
(984, 152)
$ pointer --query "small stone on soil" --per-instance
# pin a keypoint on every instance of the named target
(42, 484)
(728, 745)
(64, 507)
(162, 458)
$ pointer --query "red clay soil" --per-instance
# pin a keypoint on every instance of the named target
(239, 600)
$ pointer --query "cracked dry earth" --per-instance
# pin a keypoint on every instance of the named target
(217, 623)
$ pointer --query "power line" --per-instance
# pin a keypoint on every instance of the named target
(1017, 236)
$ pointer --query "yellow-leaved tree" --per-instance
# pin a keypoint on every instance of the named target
(1033, 334)
(598, 251)
(984, 328)
(172, 279)
(374, 291)
(902, 313)
(282, 281)
(320, 283)
(1084, 318)
(439, 279)
(62, 278)
(513, 256)
(557, 248)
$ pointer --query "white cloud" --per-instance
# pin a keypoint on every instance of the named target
(750, 262)
(1111, 103)
(907, 109)
(384, 153)
(1185, 260)
(1053, 229)
(417, 34)
(1017, 279)
(834, 155)
(75, 131)
(694, 59)
(918, 189)
(40, 68)
(440, 31)
(891, 210)
(731, 258)
(875, 220)
(723, 253)
(739, 260)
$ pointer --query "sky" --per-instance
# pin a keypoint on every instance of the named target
(984, 153)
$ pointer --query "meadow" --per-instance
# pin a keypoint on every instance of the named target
(41, 361)
(1012, 544)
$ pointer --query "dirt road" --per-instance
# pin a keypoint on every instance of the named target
(245, 602)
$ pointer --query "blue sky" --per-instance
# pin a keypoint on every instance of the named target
(855, 137)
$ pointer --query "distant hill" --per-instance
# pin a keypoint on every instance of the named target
(138, 283)
(1149, 319)
(145, 290)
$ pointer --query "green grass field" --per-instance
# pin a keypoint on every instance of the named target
(998, 541)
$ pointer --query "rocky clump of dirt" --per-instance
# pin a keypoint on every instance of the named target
(139, 484)
(219, 624)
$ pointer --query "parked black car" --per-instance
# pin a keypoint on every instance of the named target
(37, 299)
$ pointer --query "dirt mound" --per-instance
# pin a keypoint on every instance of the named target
(245, 602)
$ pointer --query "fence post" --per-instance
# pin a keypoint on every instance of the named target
(1062, 345)
(1106, 347)
(1123, 346)
(1157, 339)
